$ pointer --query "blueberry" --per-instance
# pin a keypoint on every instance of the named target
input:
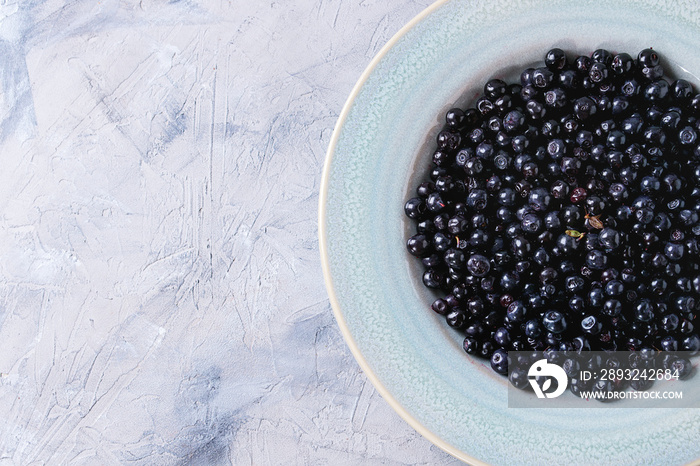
(670, 322)
(644, 311)
(670, 120)
(415, 208)
(555, 98)
(519, 379)
(513, 121)
(591, 325)
(620, 105)
(681, 91)
(435, 202)
(602, 56)
(484, 106)
(641, 384)
(612, 307)
(671, 183)
(532, 329)
(645, 215)
(418, 245)
(656, 90)
(471, 345)
(691, 344)
(440, 221)
(535, 109)
(475, 329)
(531, 223)
(478, 265)
(616, 139)
(425, 226)
(521, 246)
(578, 386)
(499, 361)
(568, 244)
(457, 225)
(552, 221)
(495, 88)
(596, 260)
(631, 88)
(555, 59)
(614, 288)
(455, 118)
(648, 57)
(484, 151)
(569, 79)
(506, 197)
(618, 192)
(554, 321)
(455, 258)
(477, 199)
(584, 139)
(516, 311)
(598, 72)
(542, 78)
(622, 64)
(681, 367)
(673, 251)
(584, 108)
(449, 140)
(668, 344)
(432, 261)
(652, 73)
(571, 216)
(578, 195)
(510, 282)
(575, 284)
(520, 143)
(432, 278)
(687, 217)
(486, 349)
(570, 165)
(655, 136)
(502, 337)
(539, 199)
(442, 242)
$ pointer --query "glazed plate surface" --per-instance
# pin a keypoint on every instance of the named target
(379, 148)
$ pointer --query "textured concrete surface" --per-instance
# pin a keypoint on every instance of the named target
(161, 297)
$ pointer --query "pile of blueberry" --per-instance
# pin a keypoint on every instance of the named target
(562, 213)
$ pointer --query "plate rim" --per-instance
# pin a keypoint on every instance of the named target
(323, 246)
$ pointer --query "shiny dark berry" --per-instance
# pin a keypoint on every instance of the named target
(584, 108)
(542, 78)
(656, 90)
(495, 88)
(455, 118)
(598, 72)
(554, 321)
(499, 361)
(415, 208)
(622, 64)
(648, 57)
(418, 245)
(471, 345)
(478, 265)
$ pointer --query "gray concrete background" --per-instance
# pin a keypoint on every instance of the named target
(161, 296)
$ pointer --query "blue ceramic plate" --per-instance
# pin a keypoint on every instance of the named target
(439, 60)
